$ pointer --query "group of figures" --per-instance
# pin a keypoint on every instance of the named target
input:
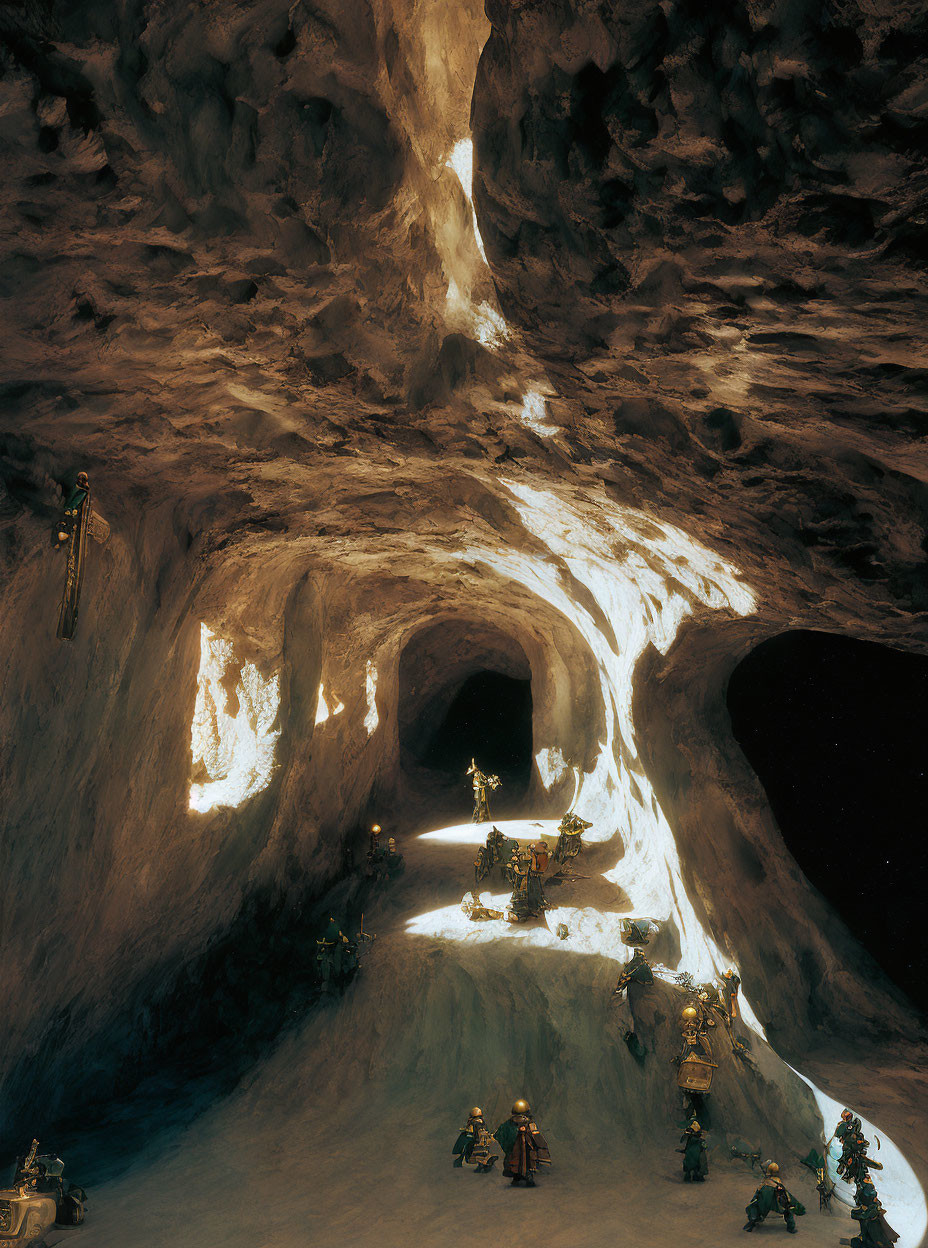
(523, 867)
(854, 1166)
(708, 1008)
(523, 1146)
(384, 862)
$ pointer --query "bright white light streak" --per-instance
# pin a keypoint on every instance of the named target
(323, 710)
(534, 416)
(461, 161)
(371, 719)
(235, 749)
(552, 766)
(899, 1188)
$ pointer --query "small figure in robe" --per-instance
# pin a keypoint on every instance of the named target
(495, 844)
(772, 1197)
(395, 862)
(636, 971)
(481, 782)
(569, 844)
(695, 1160)
(524, 1147)
(474, 1146)
(336, 958)
(875, 1231)
(528, 895)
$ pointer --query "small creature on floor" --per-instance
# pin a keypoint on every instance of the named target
(772, 1197)
(524, 1147)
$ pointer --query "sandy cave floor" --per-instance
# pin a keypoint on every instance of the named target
(336, 1139)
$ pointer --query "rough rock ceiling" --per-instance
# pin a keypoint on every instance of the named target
(666, 398)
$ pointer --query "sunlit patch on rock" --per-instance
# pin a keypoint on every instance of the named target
(234, 731)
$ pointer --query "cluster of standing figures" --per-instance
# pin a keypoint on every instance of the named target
(523, 868)
(523, 1146)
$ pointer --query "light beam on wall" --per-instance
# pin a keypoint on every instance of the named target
(234, 731)
(371, 719)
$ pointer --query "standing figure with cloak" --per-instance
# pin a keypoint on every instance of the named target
(474, 1146)
(570, 830)
(79, 522)
(695, 1160)
(524, 1147)
(481, 782)
(875, 1231)
(772, 1197)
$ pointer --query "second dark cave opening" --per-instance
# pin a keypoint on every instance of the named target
(834, 728)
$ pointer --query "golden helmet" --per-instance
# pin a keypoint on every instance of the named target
(773, 1168)
(476, 1112)
(520, 1107)
(690, 1013)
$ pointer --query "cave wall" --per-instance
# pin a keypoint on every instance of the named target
(248, 293)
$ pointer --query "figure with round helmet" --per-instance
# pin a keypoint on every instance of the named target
(474, 1145)
(772, 1197)
(524, 1147)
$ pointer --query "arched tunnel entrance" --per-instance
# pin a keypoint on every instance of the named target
(834, 729)
(465, 691)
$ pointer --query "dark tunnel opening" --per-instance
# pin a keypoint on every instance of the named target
(489, 719)
(834, 729)
(465, 692)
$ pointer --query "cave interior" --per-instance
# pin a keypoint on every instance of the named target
(542, 385)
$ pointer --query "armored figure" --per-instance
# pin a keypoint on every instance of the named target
(474, 1146)
(528, 895)
(846, 1124)
(636, 971)
(875, 1231)
(569, 844)
(524, 1147)
(695, 1160)
(481, 782)
(772, 1197)
(854, 1162)
(78, 523)
(695, 1060)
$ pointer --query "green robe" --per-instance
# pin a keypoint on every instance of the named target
(507, 1133)
(875, 1231)
(772, 1197)
(695, 1161)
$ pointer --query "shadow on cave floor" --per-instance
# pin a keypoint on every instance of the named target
(237, 1016)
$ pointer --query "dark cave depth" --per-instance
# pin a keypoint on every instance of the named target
(490, 719)
(834, 728)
